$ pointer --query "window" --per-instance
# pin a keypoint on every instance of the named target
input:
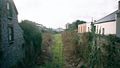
(95, 28)
(8, 6)
(10, 34)
(88, 29)
(9, 9)
(103, 31)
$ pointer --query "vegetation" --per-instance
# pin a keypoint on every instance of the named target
(33, 40)
(69, 49)
(79, 52)
(45, 49)
(47, 42)
(57, 49)
(57, 59)
(75, 24)
(113, 57)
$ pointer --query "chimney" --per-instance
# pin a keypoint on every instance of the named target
(119, 5)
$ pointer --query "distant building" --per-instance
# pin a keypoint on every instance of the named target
(11, 35)
(67, 25)
(82, 28)
(109, 24)
(59, 29)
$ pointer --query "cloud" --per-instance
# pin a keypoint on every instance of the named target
(56, 13)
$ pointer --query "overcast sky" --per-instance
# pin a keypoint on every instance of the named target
(56, 13)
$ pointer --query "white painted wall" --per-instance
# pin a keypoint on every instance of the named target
(88, 28)
(82, 28)
(109, 28)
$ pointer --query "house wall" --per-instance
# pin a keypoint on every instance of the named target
(88, 28)
(67, 25)
(101, 28)
(106, 28)
(12, 53)
(118, 25)
(82, 28)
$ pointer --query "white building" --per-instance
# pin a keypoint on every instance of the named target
(109, 24)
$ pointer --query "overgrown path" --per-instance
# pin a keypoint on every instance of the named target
(57, 53)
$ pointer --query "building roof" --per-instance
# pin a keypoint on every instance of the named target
(12, 2)
(108, 18)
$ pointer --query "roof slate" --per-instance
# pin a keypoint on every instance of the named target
(108, 18)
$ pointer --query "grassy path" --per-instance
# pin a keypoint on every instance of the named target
(57, 50)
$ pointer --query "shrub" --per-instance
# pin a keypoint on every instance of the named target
(47, 42)
(33, 40)
(78, 49)
(71, 49)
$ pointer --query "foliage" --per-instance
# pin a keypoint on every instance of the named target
(113, 52)
(70, 45)
(33, 39)
(75, 24)
(47, 42)
(54, 59)
(106, 54)
(79, 52)
(57, 49)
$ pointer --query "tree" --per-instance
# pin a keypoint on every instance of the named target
(33, 39)
(75, 24)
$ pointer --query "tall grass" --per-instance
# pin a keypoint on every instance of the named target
(70, 44)
(55, 51)
(77, 50)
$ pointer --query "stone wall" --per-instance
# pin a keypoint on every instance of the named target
(12, 53)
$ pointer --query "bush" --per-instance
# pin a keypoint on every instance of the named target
(46, 56)
(71, 49)
(33, 40)
(108, 53)
(77, 50)
(113, 58)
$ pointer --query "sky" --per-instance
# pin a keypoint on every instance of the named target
(56, 13)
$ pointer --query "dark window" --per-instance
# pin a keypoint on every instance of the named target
(103, 31)
(118, 14)
(10, 34)
(9, 9)
(95, 28)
